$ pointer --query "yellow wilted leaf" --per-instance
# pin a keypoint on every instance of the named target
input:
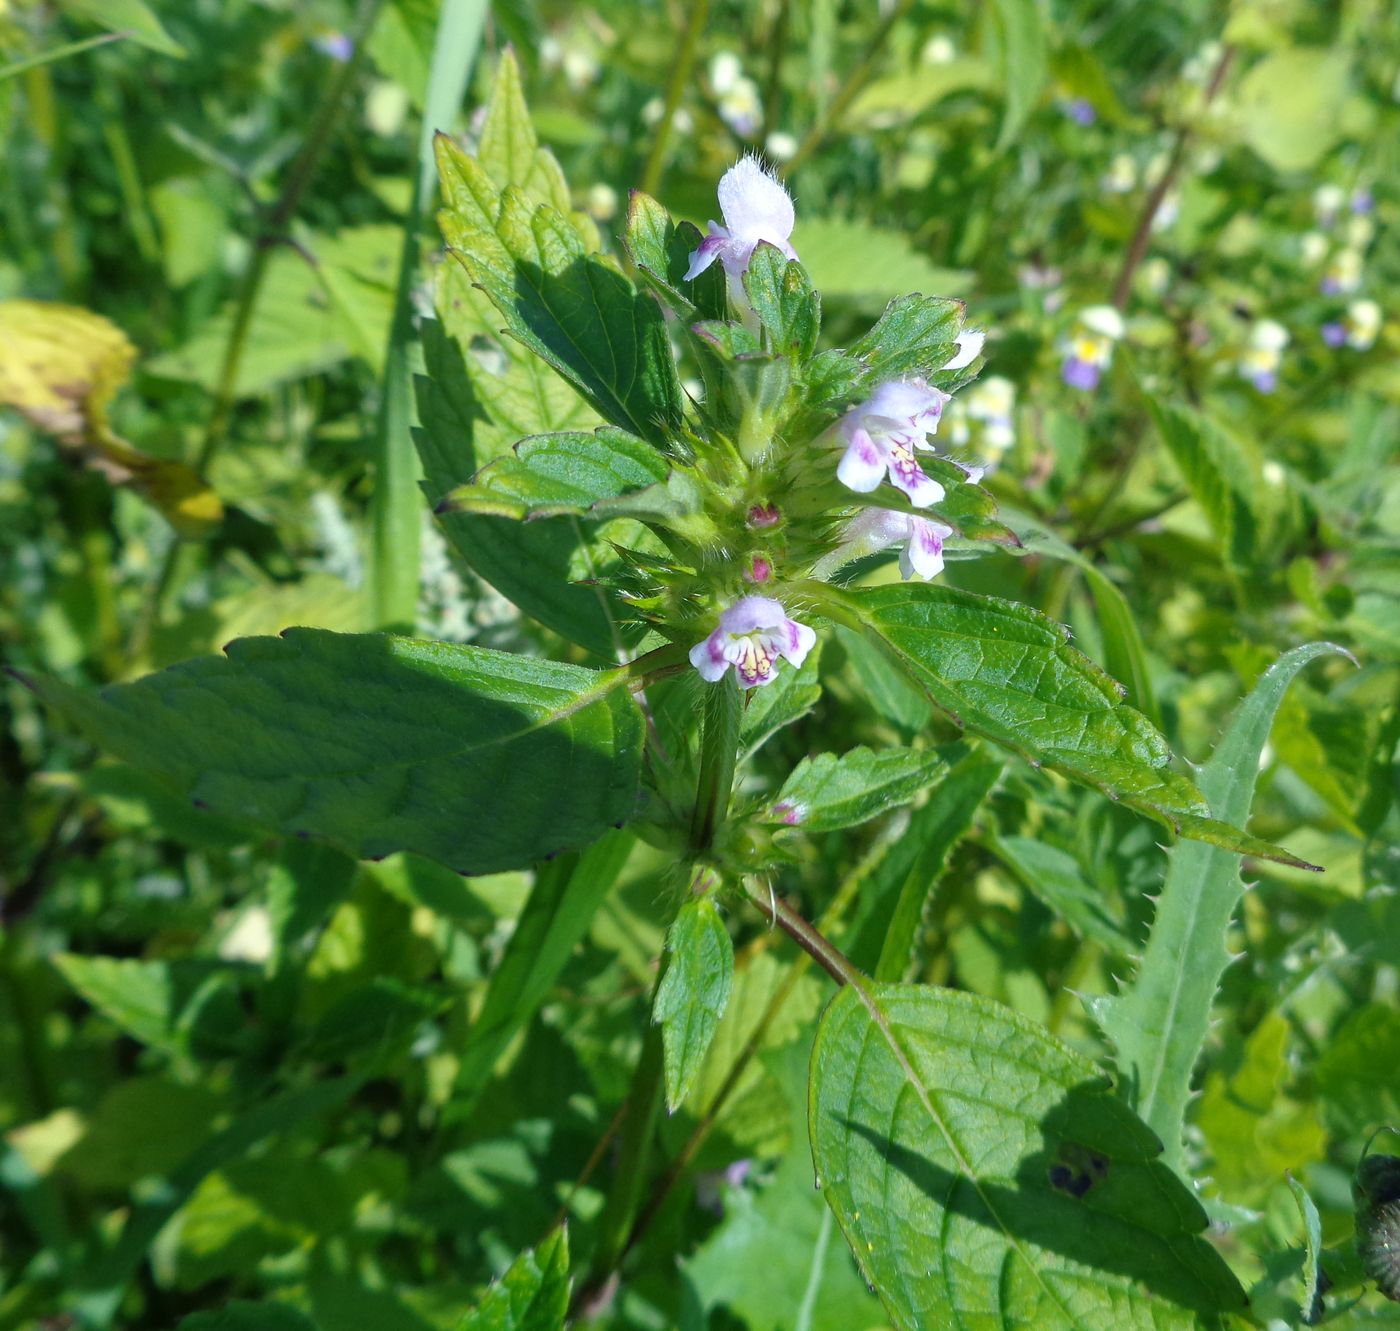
(61, 366)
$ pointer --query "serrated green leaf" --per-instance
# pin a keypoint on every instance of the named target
(827, 792)
(533, 1295)
(577, 312)
(915, 335)
(552, 475)
(982, 1171)
(857, 261)
(1217, 473)
(788, 309)
(1005, 671)
(1158, 1024)
(787, 699)
(1124, 656)
(693, 993)
(137, 996)
(379, 744)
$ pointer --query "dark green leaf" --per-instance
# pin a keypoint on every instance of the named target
(827, 792)
(693, 993)
(573, 309)
(1005, 671)
(661, 249)
(379, 744)
(982, 1171)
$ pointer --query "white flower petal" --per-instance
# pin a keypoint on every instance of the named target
(707, 656)
(862, 465)
(755, 205)
(969, 348)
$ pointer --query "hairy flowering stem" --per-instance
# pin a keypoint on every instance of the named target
(719, 747)
(806, 935)
(1137, 247)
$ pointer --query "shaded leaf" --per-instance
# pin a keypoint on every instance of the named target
(661, 249)
(378, 744)
(788, 309)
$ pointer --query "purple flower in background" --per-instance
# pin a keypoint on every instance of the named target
(752, 634)
(1079, 110)
(1263, 354)
(1089, 348)
(336, 45)
(1362, 202)
(1334, 333)
(756, 208)
(882, 434)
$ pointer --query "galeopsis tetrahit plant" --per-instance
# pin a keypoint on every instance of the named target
(672, 473)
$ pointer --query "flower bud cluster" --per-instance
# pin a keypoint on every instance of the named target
(882, 439)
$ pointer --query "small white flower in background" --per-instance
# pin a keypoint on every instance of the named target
(739, 100)
(1263, 354)
(581, 67)
(984, 415)
(875, 529)
(681, 123)
(756, 208)
(751, 636)
(1343, 274)
(1039, 277)
(1156, 275)
(1121, 176)
(881, 435)
(1358, 328)
(939, 51)
(601, 202)
(1360, 231)
(250, 939)
(780, 145)
(1167, 211)
(1089, 348)
(1312, 248)
(1202, 65)
(1328, 201)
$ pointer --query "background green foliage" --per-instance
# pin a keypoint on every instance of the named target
(254, 1083)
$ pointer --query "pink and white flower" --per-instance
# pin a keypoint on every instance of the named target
(756, 208)
(877, 529)
(882, 434)
(751, 635)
